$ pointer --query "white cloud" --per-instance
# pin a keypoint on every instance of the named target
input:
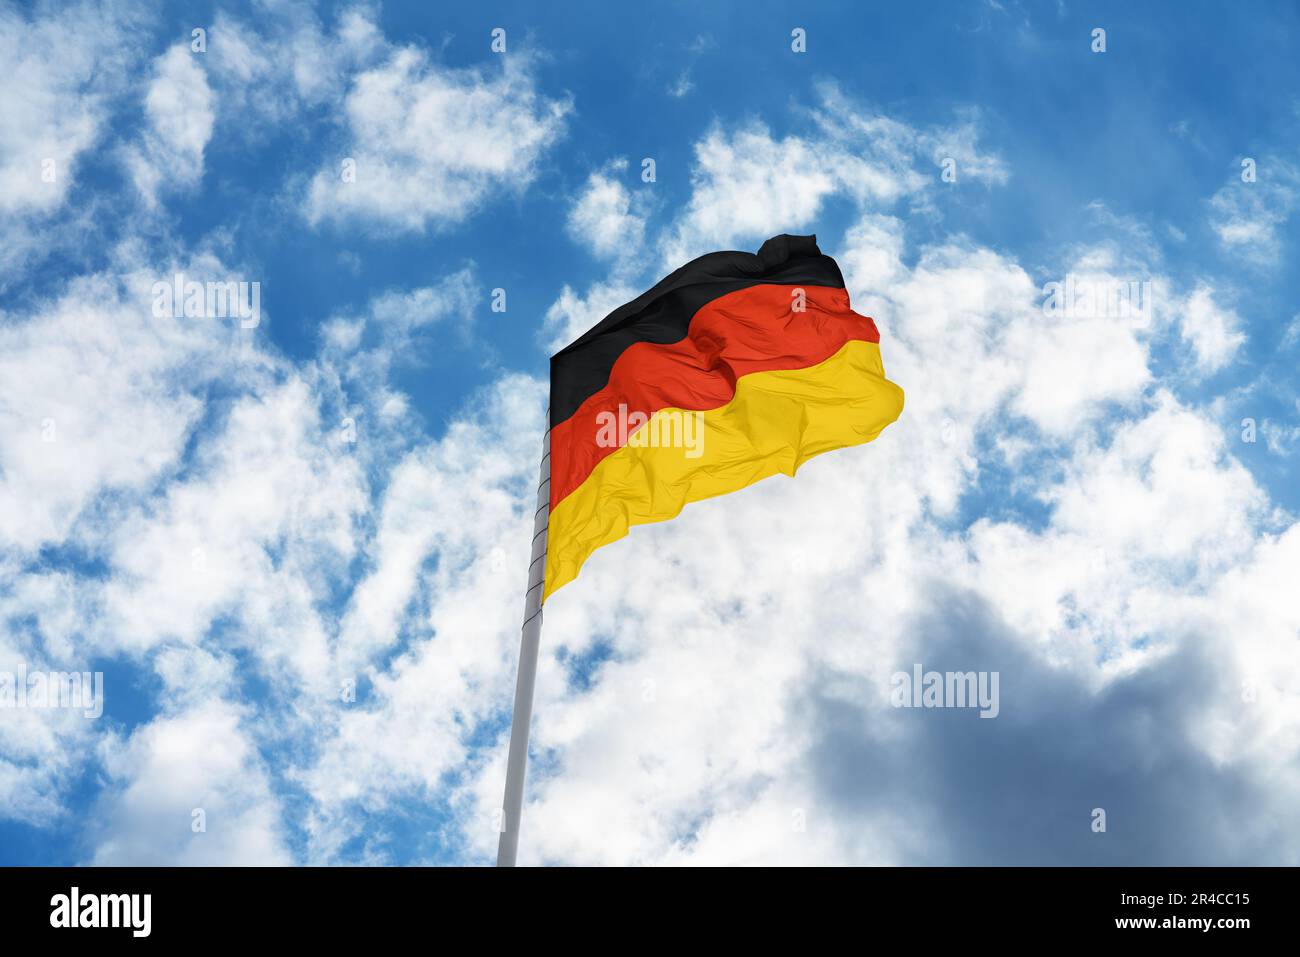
(63, 73)
(431, 143)
(748, 184)
(959, 143)
(270, 500)
(361, 350)
(442, 588)
(60, 71)
(179, 116)
(982, 313)
(1248, 216)
(899, 146)
(691, 741)
(604, 217)
(1279, 438)
(226, 527)
(199, 760)
(1138, 528)
(716, 750)
(573, 314)
(1213, 331)
(441, 500)
(103, 402)
(401, 313)
(42, 751)
(293, 62)
(97, 396)
(688, 745)
(701, 688)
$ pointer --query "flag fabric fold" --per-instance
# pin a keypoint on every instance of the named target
(736, 367)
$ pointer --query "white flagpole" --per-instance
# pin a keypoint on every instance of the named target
(517, 761)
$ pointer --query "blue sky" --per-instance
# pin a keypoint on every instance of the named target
(235, 527)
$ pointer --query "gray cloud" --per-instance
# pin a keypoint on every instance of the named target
(1019, 789)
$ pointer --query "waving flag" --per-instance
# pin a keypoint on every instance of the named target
(735, 367)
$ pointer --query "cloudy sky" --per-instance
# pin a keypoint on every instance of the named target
(296, 548)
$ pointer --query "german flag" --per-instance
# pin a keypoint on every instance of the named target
(734, 368)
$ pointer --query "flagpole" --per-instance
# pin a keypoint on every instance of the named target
(517, 760)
